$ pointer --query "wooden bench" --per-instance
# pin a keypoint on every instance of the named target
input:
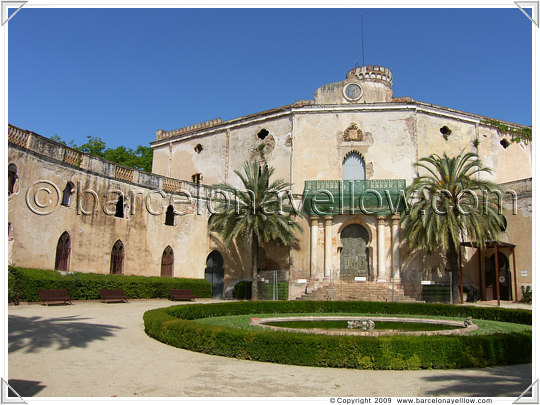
(181, 295)
(113, 296)
(60, 295)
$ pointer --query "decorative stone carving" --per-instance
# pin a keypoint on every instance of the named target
(353, 133)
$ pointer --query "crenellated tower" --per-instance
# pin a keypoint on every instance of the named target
(363, 84)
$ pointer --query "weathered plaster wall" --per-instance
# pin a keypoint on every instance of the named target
(144, 235)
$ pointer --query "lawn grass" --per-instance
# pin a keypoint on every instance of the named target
(484, 327)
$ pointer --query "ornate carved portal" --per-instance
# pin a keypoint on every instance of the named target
(354, 254)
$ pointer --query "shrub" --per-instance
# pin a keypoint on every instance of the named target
(175, 326)
(15, 290)
(86, 286)
(242, 290)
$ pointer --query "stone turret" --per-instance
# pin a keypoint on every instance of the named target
(363, 84)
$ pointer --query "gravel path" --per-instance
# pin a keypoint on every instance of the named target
(93, 349)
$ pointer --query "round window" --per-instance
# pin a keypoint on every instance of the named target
(352, 92)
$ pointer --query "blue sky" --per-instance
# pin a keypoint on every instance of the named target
(120, 74)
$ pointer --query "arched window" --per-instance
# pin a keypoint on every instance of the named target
(167, 262)
(354, 167)
(10, 231)
(63, 251)
(12, 178)
(169, 216)
(119, 208)
(66, 195)
(117, 258)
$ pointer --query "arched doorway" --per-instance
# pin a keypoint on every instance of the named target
(63, 251)
(354, 167)
(12, 178)
(214, 273)
(167, 262)
(505, 282)
(354, 253)
(117, 258)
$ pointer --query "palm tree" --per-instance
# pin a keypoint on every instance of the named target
(256, 215)
(450, 202)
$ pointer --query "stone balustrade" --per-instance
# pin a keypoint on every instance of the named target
(101, 167)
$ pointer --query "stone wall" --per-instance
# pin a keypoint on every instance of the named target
(37, 217)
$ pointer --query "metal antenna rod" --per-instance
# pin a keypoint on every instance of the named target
(362, 28)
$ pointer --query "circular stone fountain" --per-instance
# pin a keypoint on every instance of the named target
(366, 326)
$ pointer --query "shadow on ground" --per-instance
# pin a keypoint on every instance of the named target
(25, 388)
(496, 382)
(33, 333)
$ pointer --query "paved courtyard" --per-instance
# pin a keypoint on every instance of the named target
(95, 349)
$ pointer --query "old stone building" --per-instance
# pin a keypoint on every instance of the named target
(354, 136)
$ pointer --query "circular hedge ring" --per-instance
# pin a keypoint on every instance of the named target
(176, 326)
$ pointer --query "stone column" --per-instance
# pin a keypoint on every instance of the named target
(395, 248)
(314, 221)
(381, 253)
(327, 246)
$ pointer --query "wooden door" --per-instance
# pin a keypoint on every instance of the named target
(167, 262)
(117, 258)
(63, 251)
(354, 254)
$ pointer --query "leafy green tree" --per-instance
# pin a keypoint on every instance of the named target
(94, 146)
(449, 203)
(256, 214)
(140, 158)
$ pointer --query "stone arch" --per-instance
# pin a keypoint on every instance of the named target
(117, 258)
(12, 179)
(167, 262)
(360, 221)
(214, 273)
(353, 166)
(63, 252)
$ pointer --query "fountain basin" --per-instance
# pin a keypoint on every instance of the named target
(454, 327)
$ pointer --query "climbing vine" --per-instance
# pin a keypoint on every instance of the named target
(518, 134)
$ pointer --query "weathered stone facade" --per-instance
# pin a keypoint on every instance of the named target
(40, 212)
(356, 121)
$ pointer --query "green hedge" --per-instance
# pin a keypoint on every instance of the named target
(520, 316)
(24, 283)
(175, 326)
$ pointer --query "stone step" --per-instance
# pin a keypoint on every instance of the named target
(363, 291)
